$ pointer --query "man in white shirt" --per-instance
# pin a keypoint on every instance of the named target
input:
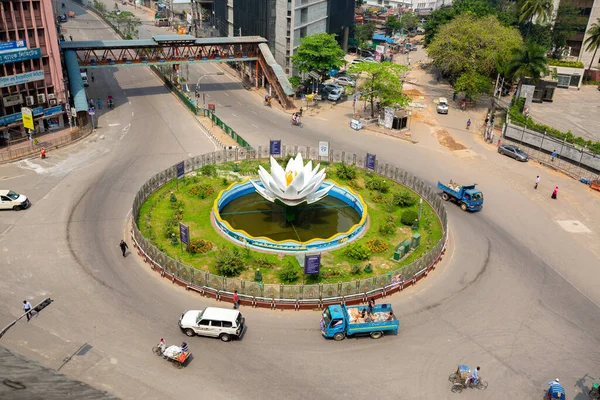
(27, 309)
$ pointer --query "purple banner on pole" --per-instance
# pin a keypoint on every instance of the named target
(180, 171)
(184, 233)
(370, 162)
(275, 147)
(312, 264)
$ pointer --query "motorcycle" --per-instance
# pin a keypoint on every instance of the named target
(594, 392)
(297, 123)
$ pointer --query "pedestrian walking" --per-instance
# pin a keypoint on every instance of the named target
(555, 193)
(27, 309)
(91, 103)
(71, 37)
(553, 156)
(537, 182)
(99, 104)
(123, 247)
(93, 77)
(236, 300)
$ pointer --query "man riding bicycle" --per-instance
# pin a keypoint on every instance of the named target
(474, 378)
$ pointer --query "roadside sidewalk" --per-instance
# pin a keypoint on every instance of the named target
(48, 141)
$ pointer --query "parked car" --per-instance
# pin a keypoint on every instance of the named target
(11, 200)
(329, 87)
(369, 59)
(62, 18)
(344, 80)
(513, 151)
(335, 94)
(442, 106)
(357, 61)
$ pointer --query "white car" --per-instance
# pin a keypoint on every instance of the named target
(344, 80)
(442, 106)
(212, 321)
(357, 61)
(369, 59)
(335, 94)
(10, 200)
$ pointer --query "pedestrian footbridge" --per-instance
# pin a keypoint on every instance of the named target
(175, 50)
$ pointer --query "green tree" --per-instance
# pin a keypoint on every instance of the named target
(472, 84)
(569, 21)
(541, 10)
(363, 33)
(126, 22)
(99, 6)
(383, 81)
(442, 16)
(593, 40)
(537, 33)
(468, 43)
(319, 52)
(392, 24)
(409, 21)
(528, 61)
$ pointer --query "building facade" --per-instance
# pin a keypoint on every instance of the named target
(284, 22)
(417, 5)
(31, 74)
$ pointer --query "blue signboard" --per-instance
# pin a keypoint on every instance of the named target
(9, 119)
(180, 170)
(20, 55)
(12, 46)
(53, 110)
(19, 79)
(370, 162)
(312, 264)
(275, 147)
(184, 233)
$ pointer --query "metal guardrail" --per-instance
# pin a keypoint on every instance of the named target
(279, 295)
(23, 152)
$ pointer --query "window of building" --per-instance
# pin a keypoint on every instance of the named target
(36, 5)
(31, 35)
(304, 16)
(25, 6)
(302, 32)
(45, 61)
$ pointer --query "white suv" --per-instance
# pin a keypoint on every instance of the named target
(442, 106)
(10, 200)
(212, 321)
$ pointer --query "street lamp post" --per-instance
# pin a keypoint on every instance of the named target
(198, 83)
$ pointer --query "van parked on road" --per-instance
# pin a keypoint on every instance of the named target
(84, 78)
(223, 323)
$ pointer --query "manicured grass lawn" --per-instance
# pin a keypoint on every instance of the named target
(159, 219)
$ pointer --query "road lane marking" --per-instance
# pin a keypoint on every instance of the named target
(239, 103)
(125, 131)
(225, 94)
(254, 126)
(111, 125)
(233, 115)
(254, 112)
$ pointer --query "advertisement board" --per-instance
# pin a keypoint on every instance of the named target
(312, 264)
(184, 233)
(323, 149)
(12, 46)
(27, 116)
(19, 79)
(275, 147)
(20, 55)
(12, 118)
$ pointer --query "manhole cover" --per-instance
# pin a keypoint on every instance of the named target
(573, 226)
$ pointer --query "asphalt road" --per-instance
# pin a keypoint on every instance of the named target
(516, 294)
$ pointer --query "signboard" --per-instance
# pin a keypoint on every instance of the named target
(12, 118)
(275, 147)
(20, 55)
(12, 46)
(73, 111)
(370, 162)
(19, 79)
(323, 149)
(12, 100)
(312, 264)
(184, 233)
(314, 75)
(180, 170)
(211, 107)
(27, 116)
(91, 111)
(53, 110)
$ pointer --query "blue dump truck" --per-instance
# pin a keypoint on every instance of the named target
(466, 196)
(340, 321)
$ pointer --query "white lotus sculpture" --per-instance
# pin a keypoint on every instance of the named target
(295, 185)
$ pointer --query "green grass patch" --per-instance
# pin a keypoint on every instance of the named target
(192, 200)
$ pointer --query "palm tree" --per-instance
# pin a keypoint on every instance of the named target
(593, 41)
(528, 61)
(542, 10)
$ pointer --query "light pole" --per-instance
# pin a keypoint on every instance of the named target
(198, 82)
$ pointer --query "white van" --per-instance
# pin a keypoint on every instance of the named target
(212, 321)
(84, 78)
(10, 200)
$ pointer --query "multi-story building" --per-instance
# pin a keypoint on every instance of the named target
(284, 22)
(30, 67)
(589, 14)
(417, 5)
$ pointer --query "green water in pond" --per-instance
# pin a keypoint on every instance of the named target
(259, 217)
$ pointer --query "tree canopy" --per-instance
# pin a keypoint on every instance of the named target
(472, 84)
(442, 16)
(469, 43)
(364, 33)
(126, 22)
(382, 81)
(541, 10)
(528, 61)
(593, 40)
(319, 53)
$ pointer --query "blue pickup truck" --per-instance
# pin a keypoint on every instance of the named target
(466, 196)
(340, 321)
